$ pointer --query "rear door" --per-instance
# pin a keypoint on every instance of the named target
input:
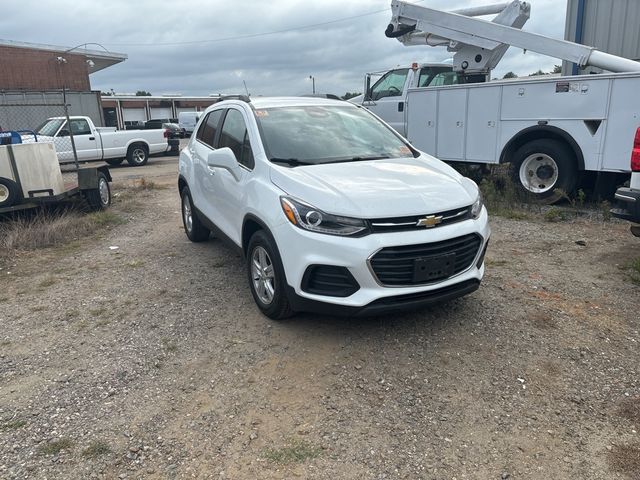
(199, 149)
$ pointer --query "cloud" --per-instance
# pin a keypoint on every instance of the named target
(337, 54)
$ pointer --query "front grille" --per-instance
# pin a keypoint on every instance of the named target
(403, 224)
(329, 280)
(395, 266)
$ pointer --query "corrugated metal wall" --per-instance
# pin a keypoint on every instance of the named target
(609, 25)
(27, 110)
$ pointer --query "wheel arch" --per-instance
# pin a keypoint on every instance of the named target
(250, 225)
(540, 132)
(182, 184)
(138, 141)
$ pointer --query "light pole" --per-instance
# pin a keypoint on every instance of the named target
(313, 83)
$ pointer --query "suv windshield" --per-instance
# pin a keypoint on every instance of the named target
(50, 127)
(324, 134)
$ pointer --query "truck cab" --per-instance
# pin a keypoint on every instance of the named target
(387, 96)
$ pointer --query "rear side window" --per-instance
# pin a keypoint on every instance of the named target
(234, 135)
(208, 128)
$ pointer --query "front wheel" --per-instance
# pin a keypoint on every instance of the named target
(114, 162)
(99, 198)
(137, 155)
(544, 170)
(266, 277)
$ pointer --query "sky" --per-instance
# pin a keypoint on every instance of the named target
(192, 47)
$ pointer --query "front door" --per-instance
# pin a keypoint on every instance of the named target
(84, 139)
(388, 99)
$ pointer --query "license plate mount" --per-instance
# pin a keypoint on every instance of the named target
(434, 267)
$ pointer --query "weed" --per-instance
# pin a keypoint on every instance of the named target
(135, 263)
(634, 271)
(4, 299)
(98, 312)
(144, 184)
(56, 446)
(106, 218)
(295, 451)
(96, 449)
(38, 308)
(12, 425)
(605, 209)
(169, 345)
(5, 343)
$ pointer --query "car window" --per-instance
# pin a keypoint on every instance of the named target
(444, 78)
(207, 131)
(428, 74)
(79, 126)
(390, 85)
(234, 135)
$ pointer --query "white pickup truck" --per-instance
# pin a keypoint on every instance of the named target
(100, 143)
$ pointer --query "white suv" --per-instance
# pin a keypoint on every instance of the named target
(335, 212)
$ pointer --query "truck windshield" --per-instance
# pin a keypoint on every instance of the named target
(325, 134)
(50, 127)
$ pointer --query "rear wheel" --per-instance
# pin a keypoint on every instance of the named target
(137, 155)
(195, 230)
(8, 192)
(544, 170)
(99, 198)
(114, 162)
(266, 277)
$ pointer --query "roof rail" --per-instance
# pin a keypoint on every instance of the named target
(242, 98)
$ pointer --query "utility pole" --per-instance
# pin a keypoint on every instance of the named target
(313, 83)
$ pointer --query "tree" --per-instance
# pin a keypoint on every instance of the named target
(510, 75)
(143, 93)
(349, 95)
(557, 69)
(106, 94)
(537, 74)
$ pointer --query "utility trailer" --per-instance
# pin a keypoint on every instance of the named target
(31, 177)
(551, 129)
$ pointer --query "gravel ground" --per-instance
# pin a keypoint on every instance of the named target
(151, 361)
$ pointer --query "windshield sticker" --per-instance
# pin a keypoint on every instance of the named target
(262, 113)
(404, 150)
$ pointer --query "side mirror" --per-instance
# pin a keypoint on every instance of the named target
(224, 158)
(367, 89)
(63, 133)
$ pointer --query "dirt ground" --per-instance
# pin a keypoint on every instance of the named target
(151, 361)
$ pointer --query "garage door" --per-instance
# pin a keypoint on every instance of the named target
(185, 109)
(160, 112)
(133, 114)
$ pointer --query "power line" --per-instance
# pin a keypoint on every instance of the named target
(252, 35)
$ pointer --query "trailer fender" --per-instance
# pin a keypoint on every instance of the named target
(541, 132)
(88, 177)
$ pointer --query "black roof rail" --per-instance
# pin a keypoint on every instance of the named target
(242, 98)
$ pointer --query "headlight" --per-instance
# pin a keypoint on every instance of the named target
(476, 208)
(305, 216)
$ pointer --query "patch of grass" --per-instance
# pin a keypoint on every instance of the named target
(56, 446)
(634, 271)
(135, 264)
(12, 425)
(5, 343)
(96, 449)
(625, 459)
(38, 308)
(502, 199)
(555, 214)
(144, 184)
(105, 218)
(605, 209)
(98, 312)
(295, 451)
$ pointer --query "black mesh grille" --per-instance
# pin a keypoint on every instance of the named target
(329, 280)
(395, 266)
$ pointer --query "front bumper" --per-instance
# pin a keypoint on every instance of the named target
(627, 204)
(300, 249)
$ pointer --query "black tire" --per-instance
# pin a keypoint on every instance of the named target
(9, 192)
(99, 198)
(138, 155)
(114, 162)
(193, 227)
(545, 170)
(278, 307)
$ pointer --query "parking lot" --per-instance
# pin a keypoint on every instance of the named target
(150, 360)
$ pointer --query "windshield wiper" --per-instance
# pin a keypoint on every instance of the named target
(359, 159)
(293, 162)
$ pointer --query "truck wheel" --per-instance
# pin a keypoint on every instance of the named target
(266, 277)
(193, 227)
(99, 198)
(545, 170)
(114, 162)
(8, 192)
(138, 155)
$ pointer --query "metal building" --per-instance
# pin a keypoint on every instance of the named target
(608, 25)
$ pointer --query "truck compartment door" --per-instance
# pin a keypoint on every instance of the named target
(422, 113)
(452, 123)
(482, 124)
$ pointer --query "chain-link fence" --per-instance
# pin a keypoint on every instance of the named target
(44, 119)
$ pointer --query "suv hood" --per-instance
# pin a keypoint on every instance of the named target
(378, 188)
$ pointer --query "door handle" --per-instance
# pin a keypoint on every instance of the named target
(92, 138)
(401, 106)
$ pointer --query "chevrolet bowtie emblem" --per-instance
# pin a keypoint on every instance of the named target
(429, 221)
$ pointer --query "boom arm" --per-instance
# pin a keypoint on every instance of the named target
(480, 44)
